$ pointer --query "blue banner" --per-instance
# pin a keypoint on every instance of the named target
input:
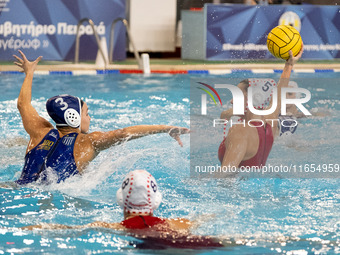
(240, 31)
(48, 28)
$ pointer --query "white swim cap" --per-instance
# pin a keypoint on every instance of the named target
(262, 92)
(139, 193)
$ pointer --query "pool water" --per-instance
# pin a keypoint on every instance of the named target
(250, 216)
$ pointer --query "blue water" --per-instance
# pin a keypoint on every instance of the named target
(251, 216)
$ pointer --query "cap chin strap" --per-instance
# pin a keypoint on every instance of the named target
(80, 109)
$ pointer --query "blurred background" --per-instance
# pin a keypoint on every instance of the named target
(208, 30)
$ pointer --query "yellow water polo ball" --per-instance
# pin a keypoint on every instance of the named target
(282, 39)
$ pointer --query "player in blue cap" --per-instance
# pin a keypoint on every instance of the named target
(53, 154)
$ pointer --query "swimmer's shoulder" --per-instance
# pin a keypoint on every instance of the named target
(179, 223)
(103, 140)
(39, 135)
(84, 151)
(238, 131)
(84, 139)
(88, 146)
(242, 139)
(91, 140)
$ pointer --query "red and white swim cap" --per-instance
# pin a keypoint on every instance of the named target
(139, 193)
(262, 92)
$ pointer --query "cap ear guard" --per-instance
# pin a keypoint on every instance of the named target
(119, 197)
(258, 100)
(158, 201)
(72, 118)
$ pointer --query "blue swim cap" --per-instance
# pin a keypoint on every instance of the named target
(65, 110)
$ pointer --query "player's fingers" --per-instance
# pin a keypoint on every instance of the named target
(17, 58)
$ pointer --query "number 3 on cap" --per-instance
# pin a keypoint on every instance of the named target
(60, 101)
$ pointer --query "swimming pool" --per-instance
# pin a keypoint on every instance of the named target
(293, 216)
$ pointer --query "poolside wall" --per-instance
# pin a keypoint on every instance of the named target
(239, 31)
(152, 25)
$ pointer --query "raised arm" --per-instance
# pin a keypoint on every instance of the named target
(179, 224)
(284, 80)
(101, 224)
(33, 123)
(104, 140)
(96, 224)
(47, 226)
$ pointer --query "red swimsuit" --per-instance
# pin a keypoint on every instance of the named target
(140, 222)
(266, 140)
(173, 239)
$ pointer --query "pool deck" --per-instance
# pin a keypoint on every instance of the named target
(178, 65)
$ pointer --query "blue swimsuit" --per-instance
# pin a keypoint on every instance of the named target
(35, 158)
(60, 160)
(51, 160)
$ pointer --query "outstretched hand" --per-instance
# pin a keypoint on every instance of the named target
(292, 60)
(24, 64)
(176, 132)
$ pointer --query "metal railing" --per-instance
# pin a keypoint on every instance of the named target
(124, 21)
(76, 55)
